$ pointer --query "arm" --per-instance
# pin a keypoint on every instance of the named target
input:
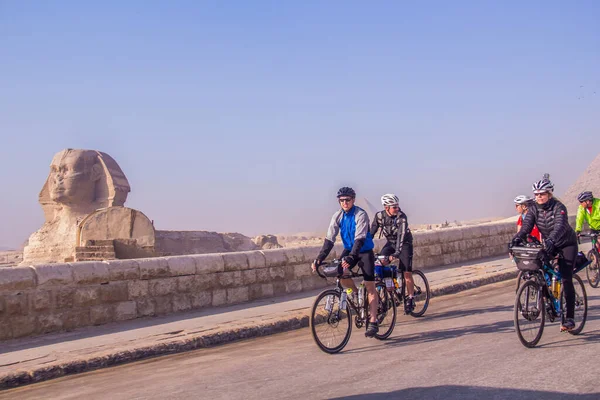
(528, 224)
(561, 223)
(402, 228)
(375, 225)
(580, 218)
(332, 232)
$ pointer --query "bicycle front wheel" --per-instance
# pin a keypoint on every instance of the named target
(519, 279)
(529, 313)
(593, 270)
(581, 306)
(422, 294)
(329, 323)
(386, 313)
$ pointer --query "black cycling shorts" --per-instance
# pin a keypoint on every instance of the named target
(366, 262)
(406, 255)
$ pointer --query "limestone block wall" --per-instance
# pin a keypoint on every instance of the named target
(54, 297)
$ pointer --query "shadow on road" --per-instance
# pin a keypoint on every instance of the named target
(443, 334)
(446, 392)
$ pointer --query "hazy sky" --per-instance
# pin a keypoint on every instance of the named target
(248, 115)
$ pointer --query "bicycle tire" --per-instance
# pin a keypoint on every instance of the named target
(419, 311)
(331, 320)
(594, 257)
(530, 287)
(519, 278)
(581, 305)
(386, 305)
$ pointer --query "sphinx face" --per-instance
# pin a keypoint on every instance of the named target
(73, 176)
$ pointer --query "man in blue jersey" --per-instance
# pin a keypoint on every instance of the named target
(352, 223)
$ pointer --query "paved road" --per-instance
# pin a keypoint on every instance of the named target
(465, 348)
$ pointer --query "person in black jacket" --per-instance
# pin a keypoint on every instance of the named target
(394, 226)
(551, 218)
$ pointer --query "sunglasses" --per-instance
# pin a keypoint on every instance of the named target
(394, 207)
(346, 200)
(541, 194)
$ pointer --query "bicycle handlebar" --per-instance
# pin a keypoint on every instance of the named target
(590, 235)
(334, 261)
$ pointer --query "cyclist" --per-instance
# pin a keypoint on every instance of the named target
(352, 223)
(589, 211)
(551, 218)
(522, 204)
(394, 226)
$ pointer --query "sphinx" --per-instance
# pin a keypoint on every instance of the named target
(79, 183)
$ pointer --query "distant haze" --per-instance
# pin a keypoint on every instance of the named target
(247, 117)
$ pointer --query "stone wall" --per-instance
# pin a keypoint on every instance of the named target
(53, 297)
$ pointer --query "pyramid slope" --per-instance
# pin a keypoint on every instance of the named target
(589, 180)
(366, 205)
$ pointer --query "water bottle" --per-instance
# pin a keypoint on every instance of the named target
(555, 287)
(343, 300)
(389, 284)
(329, 303)
(361, 294)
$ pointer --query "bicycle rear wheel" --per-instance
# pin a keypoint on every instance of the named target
(422, 294)
(581, 306)
(593, 270)
(529, 313)
(330, 325)
(386, 313)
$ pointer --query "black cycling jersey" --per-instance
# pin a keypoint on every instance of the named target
(394, 228)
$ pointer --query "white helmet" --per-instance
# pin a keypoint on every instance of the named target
(543, 185)
(522, 199)
(389, 200)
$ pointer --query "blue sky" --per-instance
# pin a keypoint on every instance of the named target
(247, 116)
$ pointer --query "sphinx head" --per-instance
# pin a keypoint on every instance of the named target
(84, 179)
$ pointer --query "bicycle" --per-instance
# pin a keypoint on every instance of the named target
(422, 294)
(332, 311)
(541, 295)
(593, 270)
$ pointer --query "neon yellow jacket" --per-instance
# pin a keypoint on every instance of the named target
(593, 219)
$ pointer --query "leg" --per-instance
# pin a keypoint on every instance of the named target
(410, 284)
(348, 282)
(373, 300)
(565, 265)
(406, 266)
(367, 264)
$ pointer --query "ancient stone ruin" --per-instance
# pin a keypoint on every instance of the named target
(83, 201)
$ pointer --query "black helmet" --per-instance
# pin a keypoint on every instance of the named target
(584, 196)
(346, 191)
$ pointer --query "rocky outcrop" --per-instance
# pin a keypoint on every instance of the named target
(267, 242)
(201, 242)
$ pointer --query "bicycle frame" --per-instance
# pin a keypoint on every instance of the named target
(360, 314)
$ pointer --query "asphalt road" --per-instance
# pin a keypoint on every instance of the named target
(464, 348)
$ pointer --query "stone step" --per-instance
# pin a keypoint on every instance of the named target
(94, 259)
(99, 242)
(107, 256)
(95, 248)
